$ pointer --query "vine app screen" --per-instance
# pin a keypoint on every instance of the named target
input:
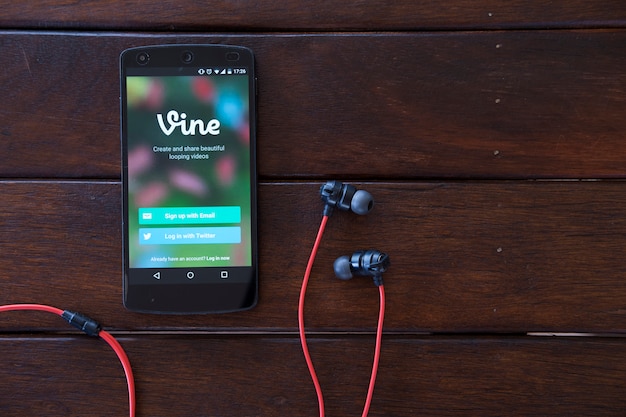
(188, 175)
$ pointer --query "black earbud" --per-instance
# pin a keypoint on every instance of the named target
(345, 197)
(365, 263)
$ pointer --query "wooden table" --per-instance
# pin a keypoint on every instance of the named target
(492, 136)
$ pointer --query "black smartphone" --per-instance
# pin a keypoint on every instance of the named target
(189, 179)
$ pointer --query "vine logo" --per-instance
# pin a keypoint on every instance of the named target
(187, 127)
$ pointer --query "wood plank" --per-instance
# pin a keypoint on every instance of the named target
(321, 15)
(483, 256)
(536, 104)
(228, 376)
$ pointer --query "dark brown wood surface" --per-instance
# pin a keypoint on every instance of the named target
(467, 256)
(302, 15)
(545, 104)
(207, 375)
(491, 136)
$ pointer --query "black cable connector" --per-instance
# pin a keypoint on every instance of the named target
(378, 280)
(82, 322)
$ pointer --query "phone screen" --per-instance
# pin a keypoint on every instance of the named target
(189, 178)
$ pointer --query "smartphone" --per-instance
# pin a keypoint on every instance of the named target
(188, 117)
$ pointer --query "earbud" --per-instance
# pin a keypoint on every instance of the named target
(365, 263)
(345, 197)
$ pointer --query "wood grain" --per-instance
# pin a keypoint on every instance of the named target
(499, 256)
(538, 104)
(300, 15)
(490, 134)
(266, 376)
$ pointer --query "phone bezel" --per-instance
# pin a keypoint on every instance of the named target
(212, 295)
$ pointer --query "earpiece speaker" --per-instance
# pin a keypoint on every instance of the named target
(364, 263)
(345, 197)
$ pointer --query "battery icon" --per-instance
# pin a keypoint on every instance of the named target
(230, 71)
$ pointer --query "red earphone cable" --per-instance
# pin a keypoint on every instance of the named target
(305, 349)
(130, 380)
(32, 307)
(117, 348)
(379, 337)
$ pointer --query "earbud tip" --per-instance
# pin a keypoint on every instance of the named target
(342, 267)
(362, 202)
